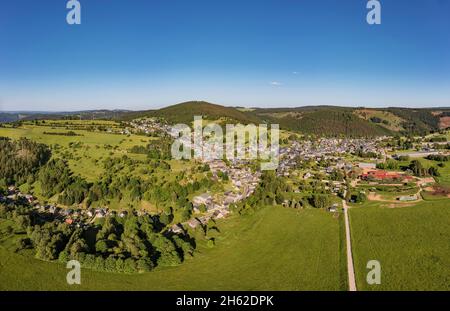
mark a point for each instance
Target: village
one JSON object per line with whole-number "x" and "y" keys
{"x": 357, "y": 158}
{"x": 299, "y": 160}
{"x": 217, "y": 206}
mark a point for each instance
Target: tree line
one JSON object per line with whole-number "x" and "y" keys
{"x": 130, "y": 244}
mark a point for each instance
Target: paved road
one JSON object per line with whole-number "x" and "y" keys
{"x": 350, "y": 268}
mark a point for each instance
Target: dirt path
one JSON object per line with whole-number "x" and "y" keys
{"x": 372, "y": 196}
{"x": 350, "y": 268}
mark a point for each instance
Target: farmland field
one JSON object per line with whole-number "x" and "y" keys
{"x": 273, "y": 249}
{"x": 411, "y": 243}
{"x": 85, "y": 149}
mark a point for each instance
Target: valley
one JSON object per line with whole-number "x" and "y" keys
{"x": 108, "y": 193}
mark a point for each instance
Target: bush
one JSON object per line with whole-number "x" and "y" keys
{"x": 144, "y": 265}
{"x": 320, "y": 201}
{"x": 129, "y": 265}
{"x": 99, "y": 263}
{"x": 23, "y": 243}
{"x": 110, "y": 264}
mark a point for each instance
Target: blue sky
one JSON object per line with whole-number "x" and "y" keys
{"x": 145, "y": 54}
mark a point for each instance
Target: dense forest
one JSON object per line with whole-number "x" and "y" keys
{"x": 20, "y": 160}
{"x": 185, "y": 112}
{"x": 333, "y": 123}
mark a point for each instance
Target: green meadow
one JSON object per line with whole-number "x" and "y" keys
{"x": 85, "y": 151}
{"x": 273, "y": 249}
{"x": 411, "y": 243}
{"x": 444, "y": 178}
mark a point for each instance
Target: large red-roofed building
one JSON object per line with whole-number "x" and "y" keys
{"x": 385, "y": 175}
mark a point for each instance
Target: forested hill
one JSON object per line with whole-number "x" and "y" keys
{"x": 327, "y": 121}
{"x": 185, "y": 112}
{"x": 330, "y": 120}
{"x": 316, "y": 120}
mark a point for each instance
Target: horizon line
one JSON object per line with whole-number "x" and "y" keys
{"x": 199, "y": 101}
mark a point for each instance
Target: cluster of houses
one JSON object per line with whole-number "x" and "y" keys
{"x": 147, "y": 126}
{"x": 243, "y": 180}
{"x": 325, "y": 149}
{"x": 79, "y": 217}
{"x": 333, "y": 146}
{"x": 14, "y": 194}
{"x": 244, "y": 183}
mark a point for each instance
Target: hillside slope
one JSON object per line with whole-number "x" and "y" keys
{"x": 315, "y": 120}
{"x": 327, "y": 121}
{"x": 335, "y": 121}
{"x": 185, "y": 112}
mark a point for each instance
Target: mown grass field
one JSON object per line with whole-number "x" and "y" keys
{"x": 411, "y": 243}
{"x": 273, "y": 249}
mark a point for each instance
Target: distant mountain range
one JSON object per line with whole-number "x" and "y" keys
{"x": 319, "y": 120}
{"x": 11, "y": 116}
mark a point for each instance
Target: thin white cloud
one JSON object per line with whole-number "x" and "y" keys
{"x": 295, "y": 72}
{"x": 276, "y": 83}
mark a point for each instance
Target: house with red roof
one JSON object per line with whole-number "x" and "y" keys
{"x": 385, "y": 175}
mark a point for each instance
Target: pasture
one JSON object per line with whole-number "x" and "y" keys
{"x": 274, "y": 249}
{"x": 410, "y": 242}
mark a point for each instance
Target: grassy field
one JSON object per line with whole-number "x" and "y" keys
{"x": 391, "y": 193}
{"x": 92, "y": 146}
{"x": 394, "y": 122}
{"x": 411, "y": 243}
{"x": 273, "y": 249}
{"x": 86, "y": 152}
{"x": 444, "y": 179}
